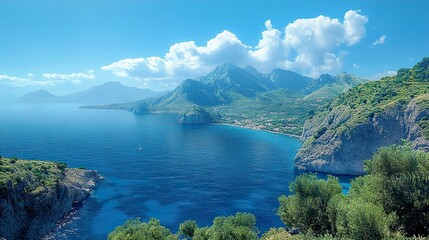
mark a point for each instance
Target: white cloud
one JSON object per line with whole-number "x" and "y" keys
{"x": 380, "y": 40}
{"x": 355, "y": 65}
{"x": 21, "y": 82}
{"x": 49, "y": 79}
{"x": 378, "y": 76}
{"x": 72, "y": 76}
{"x": 354, "y": 26}
{"x": 310, "y": 46}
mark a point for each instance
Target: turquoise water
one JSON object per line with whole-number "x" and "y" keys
{"x": 182, "y": 172}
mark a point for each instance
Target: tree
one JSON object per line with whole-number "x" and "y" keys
{"x": 188, "y": 228}
{"x": 357, "y": 219}
{"x": 136, "y": 230}
{"x": 242, "y": 226}
{"x": 306, "y": 208}
{"x": 398, "y": 180}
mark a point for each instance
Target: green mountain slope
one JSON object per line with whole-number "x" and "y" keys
{"x": 329, "y": 87}
{"x": 278, "y": 101}
{"x": 340, "y": 136}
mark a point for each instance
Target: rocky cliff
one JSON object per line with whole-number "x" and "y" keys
{"x": 31, "y": 205}
{"x": 344, "y": 151}
{"x": 340, "y": 137}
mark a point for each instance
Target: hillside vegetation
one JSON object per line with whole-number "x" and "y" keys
{"x": 347, "y": 131}
{"x": 38, "y": 174}
{"x": 368, "y": 100}
{"x": 35, "y": 195}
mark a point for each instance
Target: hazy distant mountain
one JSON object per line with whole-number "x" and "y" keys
{"x": 107, "y": 93}
{"x": 39, "y": 96}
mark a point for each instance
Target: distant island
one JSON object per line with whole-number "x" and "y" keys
{"x": 35, "y": 195}
{"x": 107, "y": 93}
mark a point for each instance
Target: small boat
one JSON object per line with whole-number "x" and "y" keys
{"x": 139, "y": 148}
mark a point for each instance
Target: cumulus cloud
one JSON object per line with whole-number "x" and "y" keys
{"x": 380, "y": 40}
{"x": 72, "y": 76}
{"x": 310, "y": 46}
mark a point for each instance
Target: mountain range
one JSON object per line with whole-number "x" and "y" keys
{"x": 280, "y": 100}
{"x": 107, "y": 93}
{"x": 228, "y": 84}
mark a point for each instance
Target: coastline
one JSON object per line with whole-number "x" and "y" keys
{"x": 216, "y": 123}
{"x": 256, "y": 129}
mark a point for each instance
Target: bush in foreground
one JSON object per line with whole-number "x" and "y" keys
{"x": 307, "y": 209}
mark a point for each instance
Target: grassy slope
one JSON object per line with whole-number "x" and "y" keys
{"x": 371, "y": 99}
{"x": 38, "y": 175}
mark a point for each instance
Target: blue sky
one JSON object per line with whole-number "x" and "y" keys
{"x": 65, "y": 46}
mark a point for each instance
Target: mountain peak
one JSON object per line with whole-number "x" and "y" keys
{"x": 250, "y": 69}
{"x": 227, "y": 67}
{"x": 113, "y": 84}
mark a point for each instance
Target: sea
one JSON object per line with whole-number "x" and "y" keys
{"x": 153, "y": 166}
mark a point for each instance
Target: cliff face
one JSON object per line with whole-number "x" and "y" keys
{"x": 32, "y": 215}
{"x": 344, "y": 150}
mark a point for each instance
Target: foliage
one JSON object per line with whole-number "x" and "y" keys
{"x": 37, "y": 175}
{"x": 307, "y": 208}
{"x": 276, "y": 234}
{"x": 136, "y": 230}
{"x": 398, "y": 180}
{"x": 242, "y": 226}
{"x": 357, "y": 219}
{"x": 188, "y": 228}
{"x": 369, "y": 100}
{"x": 320, "y": 132}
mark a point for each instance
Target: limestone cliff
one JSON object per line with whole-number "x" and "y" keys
{"x": 343, "y": 152}
{"x": 340, "y": 137}
{"x": 30, "y": 206}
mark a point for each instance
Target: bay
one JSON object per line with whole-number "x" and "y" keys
{"x": 181, "y": 171}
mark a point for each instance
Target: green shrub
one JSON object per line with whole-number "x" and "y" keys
{"x": 276, "y": 234}
{"x": 62, "y": 166}
{"x": 306, "y": 209}
{"x": 188, "y": 228}
{"x": 136, "y": 230}
{"x": 398, "y": 181}
{"x": 357, "y": 219}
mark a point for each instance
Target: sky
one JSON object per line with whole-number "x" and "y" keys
{"x": 67, "y": 46}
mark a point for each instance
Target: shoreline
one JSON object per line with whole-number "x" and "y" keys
{"x": 223, "y": 124}
{"x": 263, "y": 130}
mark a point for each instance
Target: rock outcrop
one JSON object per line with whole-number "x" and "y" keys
{"x": 32, "y": 215}
{"x": 348, "y": 131}
{"x": 344, "y": 151}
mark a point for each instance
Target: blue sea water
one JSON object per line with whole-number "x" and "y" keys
{"x": 182, "y": 172}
